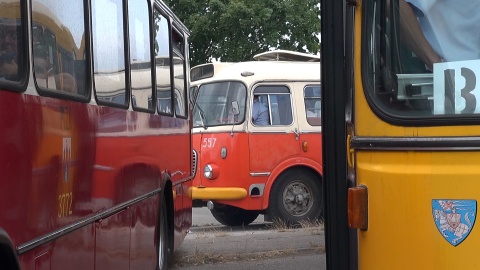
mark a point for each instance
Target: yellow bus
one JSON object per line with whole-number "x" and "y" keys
{"x": 401, "y": 133}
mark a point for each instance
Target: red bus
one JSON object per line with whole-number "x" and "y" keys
{"x": 96, "y": 156}
{"x": 249, "y": 167}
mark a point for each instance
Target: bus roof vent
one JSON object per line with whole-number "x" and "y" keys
{"x": 247, "y": 73}
{"x": 285, "y": 55}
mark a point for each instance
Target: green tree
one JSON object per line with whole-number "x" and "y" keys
{"x": 236, "y": 30}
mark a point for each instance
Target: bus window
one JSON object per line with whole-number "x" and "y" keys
{"x": 140, "y": 61}
{"x": 214, "y": 102}
{"x": 108, "y": 51}
{"x": 12, "y": 66}
{"x": 278, "y": 101}
{"x": 59, "y": 46}
{"x": 162, "y": 64}
{"x": 403, "y": 82}
{"x": 179, "y": 73}
{"x": 313, "y": 105}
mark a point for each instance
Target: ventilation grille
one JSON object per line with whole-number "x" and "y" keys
{"x": 194, "y": 162}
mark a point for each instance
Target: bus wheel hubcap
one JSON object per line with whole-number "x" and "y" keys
{"x": 298, "y": 198}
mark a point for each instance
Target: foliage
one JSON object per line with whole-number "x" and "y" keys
{"x": 236, "y": 30}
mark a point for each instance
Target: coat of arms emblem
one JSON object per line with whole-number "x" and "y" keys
{"x": 454, "y": 218}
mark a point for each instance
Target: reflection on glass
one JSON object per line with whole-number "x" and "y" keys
{"x": 277, "y": 99}
{"x": 140, "y": 62}
{"x": 422, "y": 58}
{"x": 10, "y": 42}
{"x": 179, "y": 74}
{"x": 179, "y": 83}
{"x": 59, "y": 45}
{"x": 313, "y": 105}
{"x": 162, "y": 64}
{"x": 214, "y": 104}
{"x": 108, "y": 50}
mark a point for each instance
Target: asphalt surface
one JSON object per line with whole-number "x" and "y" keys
{"x": 261, "y": 245}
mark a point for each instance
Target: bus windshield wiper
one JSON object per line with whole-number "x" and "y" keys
{"x": 202, "y": 116}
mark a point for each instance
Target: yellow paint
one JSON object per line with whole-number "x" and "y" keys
{"x": 218, "y": 193}
{"x": 401, "y": 186}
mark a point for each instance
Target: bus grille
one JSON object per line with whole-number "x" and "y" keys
{"x": 194, "y": 162}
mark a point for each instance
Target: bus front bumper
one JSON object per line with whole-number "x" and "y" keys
{"x": 218, "y": 193}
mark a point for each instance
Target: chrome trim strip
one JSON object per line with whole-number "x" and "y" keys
{"x": 23, "y": 248}
{"x": 259, "y": 174}
{"x": 103, "y": 168}
{"x": 416, "y": 143}
{"x": 270, "y": 131}
{"x": 310, "y": 131}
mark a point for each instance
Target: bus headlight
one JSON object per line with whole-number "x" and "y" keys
{"x": 211, "y": 171}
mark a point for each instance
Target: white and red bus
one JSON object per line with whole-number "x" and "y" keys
{"x": 247, "y": 169}
{"x": 96, "y": 156}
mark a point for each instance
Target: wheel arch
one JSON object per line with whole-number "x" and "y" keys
{"x": 288, "y": 166}
{"x": 8, "y": 256}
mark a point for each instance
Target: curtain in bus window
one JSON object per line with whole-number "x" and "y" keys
{"x": 140, "y": 61}
{"x": 162, "y": 64}
{"x": 59, "y": 46}
{"x": 12, "y": 62}
{"x": 313, "y": 105}
{"x": 108, "y": 51}
{"x": 281, "y": 107}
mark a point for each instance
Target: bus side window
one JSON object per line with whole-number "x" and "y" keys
{"x": 140, "y": 52}
{"x": 279, "y": 103}
{"x": 313, "y": 105}
{"x": 109, "y": 52}
{"x": 10, "y": 43}
{"x": 284, "y": 102}
{"x": 59, "y": 47}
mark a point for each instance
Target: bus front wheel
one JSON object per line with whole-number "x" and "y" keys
{"x": 296, "y": 196}
{"x": 233, "y": 216}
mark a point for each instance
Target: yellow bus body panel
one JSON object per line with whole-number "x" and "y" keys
{"x": 402, "y": 233}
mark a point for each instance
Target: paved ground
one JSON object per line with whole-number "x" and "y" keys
{"x": 261, "y": 245}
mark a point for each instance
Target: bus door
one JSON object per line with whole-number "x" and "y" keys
{"x": 413, "y": 149}
{"x": 278, "y": 139}
{"x": 308, "y": 111}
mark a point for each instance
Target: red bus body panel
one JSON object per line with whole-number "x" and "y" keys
{"x": 253, "y": 153}
{"x": 62, "y": 162}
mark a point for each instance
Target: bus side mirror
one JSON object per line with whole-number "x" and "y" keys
{"x": 235, "y": 109}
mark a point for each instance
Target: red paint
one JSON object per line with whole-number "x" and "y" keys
{"x": 63, "y": 161}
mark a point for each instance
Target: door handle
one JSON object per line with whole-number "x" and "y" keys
{"x": 297, "y": 133}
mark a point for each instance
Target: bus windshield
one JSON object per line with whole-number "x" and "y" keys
{"x": 214, "y": 104}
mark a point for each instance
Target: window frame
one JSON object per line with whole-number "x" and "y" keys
{"x": 61, "y": 94}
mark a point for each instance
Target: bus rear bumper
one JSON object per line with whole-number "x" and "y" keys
{"x": 218, "y": 193}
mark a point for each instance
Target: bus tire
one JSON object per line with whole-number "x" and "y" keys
{"x": 162, "y": 252}
{"x": 233, "y": 216}
{"x": 296, "y": 196}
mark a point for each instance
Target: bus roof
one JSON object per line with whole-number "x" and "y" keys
{"x": 284, "y": 55}
{"x": 253, "y": 71}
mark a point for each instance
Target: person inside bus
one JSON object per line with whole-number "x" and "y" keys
{"x": 259, "y": 112}
{"x": 8, "y": 53}
{"x": 438, "y": 31}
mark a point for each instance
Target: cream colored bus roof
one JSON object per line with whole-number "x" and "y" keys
{"x": 284, "y": 55}
{"x": 264, "y": 71}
